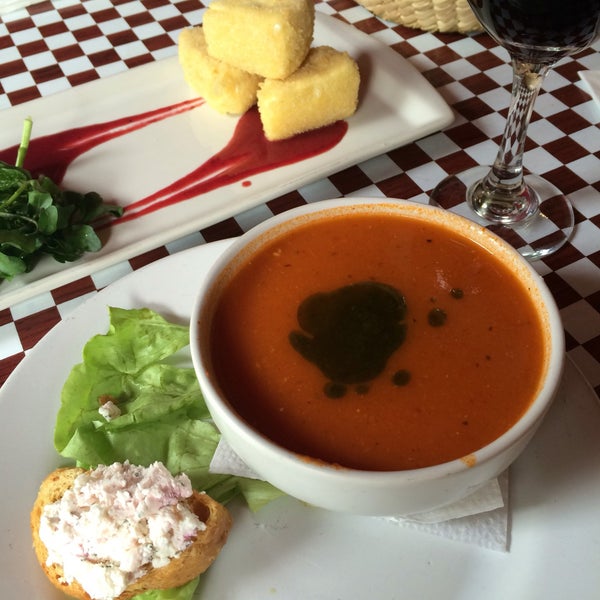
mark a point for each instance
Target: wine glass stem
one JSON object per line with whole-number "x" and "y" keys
{"x": 502, "y": 196}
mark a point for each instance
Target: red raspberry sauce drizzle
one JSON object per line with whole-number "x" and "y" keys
{"x": 247, "y": 153}
{"x": 52, "y": 154}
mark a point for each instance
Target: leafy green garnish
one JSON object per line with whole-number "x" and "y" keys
{"x": 138, "y": 364}
{"x": 38, "y": 218}
{"x": 141, "y": 365}
{"x": 185, "y": 592}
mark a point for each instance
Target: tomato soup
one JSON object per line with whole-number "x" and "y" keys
{"x": 377, "y": 342}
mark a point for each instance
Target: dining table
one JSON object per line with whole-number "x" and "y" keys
{"x": 49, "y": 47}
{"x": 53, "y": 49}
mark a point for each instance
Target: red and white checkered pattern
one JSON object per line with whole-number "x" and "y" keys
{"x": 51, "y": 46}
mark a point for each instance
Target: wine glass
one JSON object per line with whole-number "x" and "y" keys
{"x": 524, "y": 209}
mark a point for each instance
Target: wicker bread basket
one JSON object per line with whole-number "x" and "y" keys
{"x": 430, "y": 15}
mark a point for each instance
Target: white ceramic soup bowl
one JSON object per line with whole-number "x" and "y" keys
{"x": 404, "y": 492}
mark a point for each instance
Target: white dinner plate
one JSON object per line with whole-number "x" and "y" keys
{"x": 290, "y": 551}
{"x": 397, "y": 105}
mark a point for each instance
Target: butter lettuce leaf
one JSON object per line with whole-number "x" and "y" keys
{"x": 185, "y": 592}
{"x": 142, "y": 364}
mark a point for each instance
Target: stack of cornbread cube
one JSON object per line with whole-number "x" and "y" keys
{"x": 249, "y": 52}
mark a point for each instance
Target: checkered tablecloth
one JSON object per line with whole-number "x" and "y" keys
{"x": 53, "y": 45}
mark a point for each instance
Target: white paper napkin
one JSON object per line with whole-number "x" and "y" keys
{"x": 592, "y": 79}
{"x": 226, "y": 461}
{"x": 481, "y": 519}
{"x": 7, "y": 6}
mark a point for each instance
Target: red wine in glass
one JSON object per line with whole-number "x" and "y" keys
{"x": 526, "y": 210}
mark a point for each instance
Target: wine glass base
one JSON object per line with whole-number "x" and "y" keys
{"x": 538, "y": 236}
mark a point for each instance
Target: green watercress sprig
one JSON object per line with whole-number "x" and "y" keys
{"x": 39, "y": 218}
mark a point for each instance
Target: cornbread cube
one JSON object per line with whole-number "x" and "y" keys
{"x": 322, "y": 91}
{"x": 225, "y": 88}
{"x": 267, "y": 37}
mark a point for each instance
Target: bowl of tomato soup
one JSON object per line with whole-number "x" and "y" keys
{"x": 375, "y": 357}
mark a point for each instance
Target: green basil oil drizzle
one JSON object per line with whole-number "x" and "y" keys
{"x": 350, "y": 334}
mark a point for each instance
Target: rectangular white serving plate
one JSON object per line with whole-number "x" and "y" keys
{"x": 397, "y": 105}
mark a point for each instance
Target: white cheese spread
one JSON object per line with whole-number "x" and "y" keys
{"x": 109, "y": 410}
{"x": 115, "y": 523}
